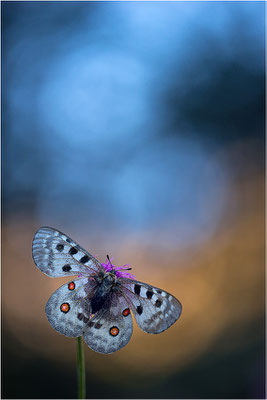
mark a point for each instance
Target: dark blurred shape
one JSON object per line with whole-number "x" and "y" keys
{"x": 227, "y": 106}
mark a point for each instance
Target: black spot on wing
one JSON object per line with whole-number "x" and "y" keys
{"x": 137, "y": 288}
{"x": 66, "y": 268}
{"x": 139, "y": 309}
{"x": 72, "y": 251}
{"x": 80, "y": 316}
{"x": 84, "y": 259}
{"x": 149, "y": 294}
{"x": 158, "y": 303}
{"x": 60, "y": 247}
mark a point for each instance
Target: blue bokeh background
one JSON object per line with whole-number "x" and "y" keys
{"x": 102, "y": 106}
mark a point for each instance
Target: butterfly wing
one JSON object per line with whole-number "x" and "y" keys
{"x": 111, "y": 328}
{"x": 68, "y": 309}
{"x": 55, "y": 254}
{"x": 154, "y": 309}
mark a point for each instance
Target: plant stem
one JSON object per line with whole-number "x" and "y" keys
{"x": 80, "y": 369}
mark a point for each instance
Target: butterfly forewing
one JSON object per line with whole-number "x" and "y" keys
{"x": 154, "y": 309}
{"x": 55, "y": 254}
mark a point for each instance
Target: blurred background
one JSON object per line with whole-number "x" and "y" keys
{"x": 137, "y": 128}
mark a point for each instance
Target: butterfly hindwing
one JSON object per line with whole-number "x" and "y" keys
{"x": 154, "y": 309}
{"x": 55, "y": 254}
{"x": 110, "y": 329}
{"x": 68, "y": 309}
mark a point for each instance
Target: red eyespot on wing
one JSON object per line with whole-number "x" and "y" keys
{"x": 71, "y": 286}
{"x": 65, "y": 307}
{"x": 126, "y": 312}
{"x": 114, "y": 331}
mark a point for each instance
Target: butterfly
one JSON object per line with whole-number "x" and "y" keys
{"x": 99, "y": 304}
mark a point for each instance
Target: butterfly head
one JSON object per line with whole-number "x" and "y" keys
{"x": 111, "y": 273}
{"x": 109, "y": 278}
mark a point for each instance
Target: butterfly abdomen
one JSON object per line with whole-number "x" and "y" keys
{"x": 101, "y": 295}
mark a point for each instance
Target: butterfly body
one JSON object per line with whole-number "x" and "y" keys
{"x": 99, "y": 304}
{"x": 103, "y": 291}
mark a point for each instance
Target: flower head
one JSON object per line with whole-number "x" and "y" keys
{"x": 120, "y": 271}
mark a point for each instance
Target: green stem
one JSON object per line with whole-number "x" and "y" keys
{"x": 80, "y": 369}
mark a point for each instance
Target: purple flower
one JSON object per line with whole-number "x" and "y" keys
{"x": 120, "y": 271}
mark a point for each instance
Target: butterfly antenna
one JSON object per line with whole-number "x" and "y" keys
{"x": 121, "y": 268}
{"x": 109, "y": 260}
{"x": 112, "y": 268}
{"x": 125, "y": 269}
